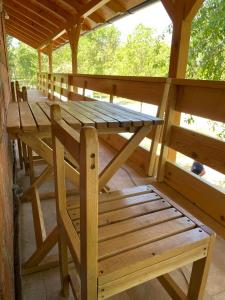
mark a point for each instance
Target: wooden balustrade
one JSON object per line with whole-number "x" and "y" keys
{"x": 204, "y": 99}
{"x": 149, "y": 90}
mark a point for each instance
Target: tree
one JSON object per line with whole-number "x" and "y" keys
{"x": 97, "y": 50}
{"x": 143, "y": 54}
{"x": 207, "y": 44}
{"x": 22, "y": 61}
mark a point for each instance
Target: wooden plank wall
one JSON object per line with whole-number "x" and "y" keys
{"x": 6, "y": 203}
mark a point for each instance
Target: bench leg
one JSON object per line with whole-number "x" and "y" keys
{"x": 199, "y": 274}
{"x": 64, "y": 265}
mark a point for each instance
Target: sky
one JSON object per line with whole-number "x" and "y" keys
{"x": 154, "y": 16}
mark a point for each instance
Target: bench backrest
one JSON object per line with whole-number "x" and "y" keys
{"x": 83, "y": 147}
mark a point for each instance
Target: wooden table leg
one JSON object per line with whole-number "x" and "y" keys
{"x": 123, "y": 155}
{"x": 199, "y": 274}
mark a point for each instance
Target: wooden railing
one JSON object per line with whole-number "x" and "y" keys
{"x": 196, "y": 97}
{"x": 142, "y": 89}
{"x": 204, "y": 99}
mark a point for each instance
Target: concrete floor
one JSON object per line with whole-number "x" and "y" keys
{"x": 46, "y": 285}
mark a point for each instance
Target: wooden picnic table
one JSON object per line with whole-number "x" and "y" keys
{"x": 30, "y": 122}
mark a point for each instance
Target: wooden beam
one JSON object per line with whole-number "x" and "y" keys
{"x": 74, "y": 35}
{"x": 49, "y": 50}
{"x": 33, "y": 17}
{"x": 91, "y": 6}
{"x": 24, "y": 33}
{"x": 39, "y": 62}
{"x": 169, "y": 7}
{"x": 54, "y": 9}
{"x": 22, "y": 38}
{"x": 25, "y": 30}
{"x": 116, "y": 7}
{"x": 27, "y": 40}
{"x": 32, "y": 7}
{"x": 182, "y": 21}
{"x": 191, "y": 8}
{"x": 22, "y": 17}
{"x": 180, "y": 45}
{"x": 22, "y": 26}
{"x": 86, "y": 10}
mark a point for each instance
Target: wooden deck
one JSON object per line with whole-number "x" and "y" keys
{"x": 46, "y": 285}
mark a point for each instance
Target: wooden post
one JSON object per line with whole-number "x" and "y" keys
{"x": 50, "y": 58}
{"x": 74, "y": 35}
{"x": 39, "y": 69}
{"x": 181, "y": 14}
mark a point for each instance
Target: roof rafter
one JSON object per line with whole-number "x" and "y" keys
{"x": 55, "y": 21}
{"x": 86, "y": 10}
{"x": 116, "y": 6}
{"x": 31, "y": 42}
{"x": 26, "y": 29}
{"x": 34, "y": 18}
{"x": 26, "y": 22}
{"x": 28, "y": 35}
{"x": 54, "y": 9}
{"x": 169, "y": 7}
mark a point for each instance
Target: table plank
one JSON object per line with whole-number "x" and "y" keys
{"x": 123, "y": 121}
{"x": 68, "y": 118}
{"x": 27, "y": 120}
{"x": 110, "y": 121}
{"x": 45, "y": 106}
{"x": 40, "y": 117}
{"x": 83, "y": 119}
{"x": 146, "y": 118}
{"x": 137, "y": 120}
{"x": 13, "y": 118}
{"x": 100, "y": 123}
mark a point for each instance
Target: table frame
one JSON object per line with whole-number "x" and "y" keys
{"x": 39, "y": 259}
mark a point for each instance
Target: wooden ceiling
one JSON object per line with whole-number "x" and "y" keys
{"x": 38, "y": 22}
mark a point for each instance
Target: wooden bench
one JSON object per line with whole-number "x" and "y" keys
{"x": 124, "y": 238}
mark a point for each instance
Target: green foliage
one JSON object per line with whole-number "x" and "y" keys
{"x": 207, "y": 45}
{"x": 62, "y": 60}
{"x": 143, "y": 54}
{"x": 97, "y": 51}
{"x": 22, "y": 61}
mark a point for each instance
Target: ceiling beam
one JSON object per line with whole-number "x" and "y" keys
{"x": 87, "y": 9}
{"x": 20, "y": 23}
{"x": 54, "y": 9}
{"x": 91, "y": 6}
{"x": 22, "y": 38}
{"x": 26, "y": 29}
{"x": 169, "y": 7}
{"x": 116, "y": 7}
{"x": 32, "y": 17}
{"x": 67, "y": 6}
{"x": 39, "y": 11}
{"x": 27, "y": 23}
{"x": 24, "y": 34}
{"x": 191, "y": 8}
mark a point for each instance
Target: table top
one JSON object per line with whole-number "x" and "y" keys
{"x": 35, "y": 116}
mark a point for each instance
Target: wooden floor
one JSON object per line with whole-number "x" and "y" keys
{"x": 46, "y": 285}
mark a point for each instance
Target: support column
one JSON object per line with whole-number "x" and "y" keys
{"x": 50, "y": 58}
{"x": 181, "y": 14}
{"x": 39, "y": 70}
{"x": 74, "y": 35}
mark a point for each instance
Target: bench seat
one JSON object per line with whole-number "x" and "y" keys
{"x": 142, "y": 234}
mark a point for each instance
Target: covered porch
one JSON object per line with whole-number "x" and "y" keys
{"x": 155, "y": 162}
